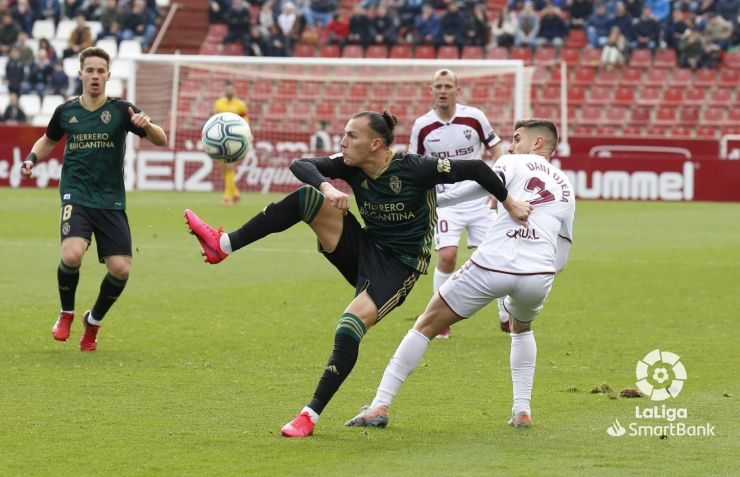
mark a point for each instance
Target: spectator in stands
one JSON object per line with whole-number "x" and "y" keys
{"x": 634, "y": 7}
{"x": 278, "y": 43}
{"x": 49, "y": 10}
{"x": 9, "y": 30}
{"x": 718, "y": 31}
{"x": 23, "y": 16}
{"x": 336, "y": 31}
{"x": 691, "y": 50}
{"x": 615, "y": 50}
{"x": 360, "y": 28}
{"x": 138, "y": 22}
{"x": 504, "y": 28}
{"x": 51, "y": 53}
{"x": 13, "y": 113}
{"x": 477, "y": 31}
{"x": 661, "y": 10}
{"x": 237, "y": 19}
{"x": 71, "y": 7}
{"x": 255, "y": 44}
{"x": 217, "y": 10}
{"x": 676, "y": 30}
{"x": 647, "y": 30}
{"x": 266, "y": 17}
{"x": 452, "y": 26}
{"x": 111, "y": 19}
{"x": 579, "y": 11}
{"x": 15, "y": 71}
{"x": 426, "y": 27}
{"x": 727, "y": 9}
{"x": 553, "y": 28}
{"x": 59, "y": 81}
{"x": 597, "y": 26}
{"x": 80, "y": 38}
{"x": 320, "y": 141}
{"x": 624, "y": 22}
{"x": 287, "y": 22}
{"x": 529, "y": 26}
{"x": 38, "y": 75}
{"x": 93, "y": 9}
{"x": 320, "y": 12}
{"x": 408, "y": 11}
{"x": 385, "y": 27}
{"x": 22, "y": 45}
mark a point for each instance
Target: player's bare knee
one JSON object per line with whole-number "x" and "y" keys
{"x": 447, "y": 259}
{"x": 72, "y": 257}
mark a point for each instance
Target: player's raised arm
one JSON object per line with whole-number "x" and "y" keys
{"x": 154, "y": 133}
{"x": 317, "y": 171}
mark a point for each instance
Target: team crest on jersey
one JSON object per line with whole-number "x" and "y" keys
{"x": 443, "y": 165}
{"x": 65, "y": 228}
{"x": 468, "y": 133}
{"x": 363, "y": 184}
{"x": 105, "y": 117}
{"x": 395, "y": 184}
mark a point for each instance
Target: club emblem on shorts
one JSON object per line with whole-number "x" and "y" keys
{"x": 443, "y": 165}
{"x": 468, "y": 133}
{"x": 105, "y": 117}
{"x": 395, "y": 184}
{"x": 65, "y": 228}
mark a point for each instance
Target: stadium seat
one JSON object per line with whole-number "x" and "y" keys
{"x": 633, "y": 131}
{"x": 400, "y": 52}
{"x": 541, "y": 76}
{"x": 521, "y": 53}
{"x": 731, "y": 59}
{"x": 550, "y": 95}
{"x": 120, "y": 68}
{"x": 497, "y": 53}
{"x": 376, "y": 51}
{"x": 326, "y": 110}
{"x": 59, "y": 46}
{"x": 304, "y": 50}
{"x": 673, "y": 96}
{"x": 591, "y": 57}
{"x": 590, "y": 115}
{"x": 681, "y": 77}
{"x": 576, "y": 39}
{"x": 302, "y": 110}
{"x": 729, "y": 78}
{"x": 713, "y": 116}
{"x": 640, "y": 58}
{"x": 95, "y": 28}
{"x": 472, "y": 53}
{"x": 656, "y": 77}
{"x": 287, "y": 90}
{"x": 665, "y": 58}
{"x": 217, "y": 31}
{"x": 657, "y": 131}
{"x": 720, "y": 96}
{"x": 381, "y": 90}
{"x": 51, "y": 101}
{"x": 352, "y": 51}
{"x": 43, "y": 29}
{"x": 278, "y": 109}
{"x": 576, "y": 95}
{"x": 606, "y": 130}
{"x": 681, "y": 132}
{"x": 615, "y": 116}
{"x": 584, "y": 76}
{"x": 447, "y": 52}
{"x": 571, "y": 56}
{"x": 608, "y": 77}
{"x": 30, "y": 104}
{"x": 40, "y": 120}
{"x": 640, "y": 116}
{"x": 71, "y": 66}
{"x": 624, "y": 96}
{"x": 584, "y": 130}
{"x": 648, "y": 96}
{"x": 544, "y": 111}
{"x": 132, "y": 49}
{"x": 544, "y": 56}
{"x": 705, "y": 77}
{"x": 110, "y": 45}
{"x": 359, "y": 91}
{"x": 707, "y": 132}
{"x": 329, "y": 51}
{"x": 599, "y": 95}
{"x": 425, "y": 52}
{"x": 665, "y": 116}
{"x": 631, "y": 77}
{"x": 480, "y": 93}
{"x": 733, "y": 116}
{"x": 695, "y": 96}
{"x": 64, "y": 29}
{"x": 261, "y": 89}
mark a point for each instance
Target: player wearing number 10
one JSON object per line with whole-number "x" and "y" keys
{"x": 513, "y": 261}
{"x": 92, "y": 189}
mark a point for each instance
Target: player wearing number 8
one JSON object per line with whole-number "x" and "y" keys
{"x": 515, "y": 261}
{"x": 92, "y": 188}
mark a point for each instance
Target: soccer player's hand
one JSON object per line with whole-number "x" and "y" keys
{"x": 519, "y": 211}
{"x": 492, "y": 202}
{"x": 26, "y": 169}
{"x": 140, "y": 120}
{"x": 337, "y": 198}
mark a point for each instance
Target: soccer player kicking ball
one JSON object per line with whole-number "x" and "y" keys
{"x": 395, "y": 194}
{"x": 519, "y": 262}
{"x": 92, "y": 189}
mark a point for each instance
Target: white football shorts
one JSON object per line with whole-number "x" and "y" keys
{"x": 452, "y": 222}
{"x": 473, "y": 287}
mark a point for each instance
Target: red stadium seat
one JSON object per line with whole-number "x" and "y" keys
{"x": 497, "y": 53}
{"x": 733, "y": 116}
{"x": 640, "y": 116}
{"x": 707, "y": 132}
{"x": 447, "y": 52}
{"x": 657, "y": 131}
{"x": 352, "y": 51}
{"x": 713, "y": 116}
{"x": 336, "y": 90}
{"x": 681, "y": 132}
{"x": 640, "y": 58}
{"x": 472, "y": 53}
{"x": 591, "y": 57}
{"x": 521, "y": 53}
{"x": 729, "y": 78}
{"x": 571, "y": 56}
{"x": 624, "y": 96}
{"x": 287, "y": 89}
{"x": 665, "y": 58}
{"x": 550, "y": 95}
{"x": 599, "y": 95}
{"x": 648, "y": 96}
{"x": 705, "y": 77}
{"x": 381, "y": 90}
{"x": 278, "y": 109}
{"x": 615, "y": 116}
{"x": 584, "y": 130}
{"x": 329, "y": 51}
{"x": 304, "y": 50}
{"x": 359, "y": 91}
{"x": 576, "y": 39}
{"x": 731, "y": 59}
{"x": 606, "y": 130}
{"x": 665, "y": 116}
{"x": 656, "y": 77}
{"x": 209, "y": 49}
{"x": 689, "y": 116}
{"x": 632, "y": 131}
{"x": 400, "y": 52}
{"x": 720, "y": 96}
{"x": 584, "y": 76}
{"x": 261, "y": 89}
{"x": 326, "y": 110}
{"x": 377, "y": 51}
{"x": 608, "y": 77}
{"x": 480, "y": 93}
{"x": 302, "y": 110}
{"x": 425, "y": 52}
{"x": 348, "y": 108}
{"x": 545, "y": 112}
{"x": 673, "y": 96}
{"x": 681, "y": 77}
{"x": 590, "y": 115}
{"x": 695, "y": 96}
{"x": 576, "y": 96}
{"x": 541, "y": 76}
{"x": 544, "y": 56}
{"x": 631, "y": 77}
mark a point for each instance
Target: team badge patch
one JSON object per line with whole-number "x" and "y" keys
{"x": 468, "y": 133}
{"x": 105, "y": 117}
{"x": 443, "y": 165}
{"x": 363, "y": 184}
{"x": 65, "y": 228}
{"x": 395, "y": 184}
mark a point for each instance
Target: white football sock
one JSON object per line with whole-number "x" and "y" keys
{"x": 312, "y": 414}
{"x": 523, "y": 358}
{"x": 225, "y": 243}
{"x": 503, "y": 315}
{"x": 404, "y": 362}
{"x": 91, "y": 320}
{"x": 440, "y": 278}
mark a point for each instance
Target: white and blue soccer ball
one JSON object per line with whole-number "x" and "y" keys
{"x": 226, "y": 137}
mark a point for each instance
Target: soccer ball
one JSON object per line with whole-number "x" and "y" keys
{"x": 226, "y": 137}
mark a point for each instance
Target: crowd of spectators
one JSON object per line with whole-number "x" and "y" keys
{"x": 698, "y": 30}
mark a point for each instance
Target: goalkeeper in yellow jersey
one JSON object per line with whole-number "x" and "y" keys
{"x": 228, "y": 103}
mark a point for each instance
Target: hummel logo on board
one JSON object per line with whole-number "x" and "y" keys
{"x": 73, "y": 120}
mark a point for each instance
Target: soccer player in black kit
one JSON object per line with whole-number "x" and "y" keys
{"x": 395, "y": 194}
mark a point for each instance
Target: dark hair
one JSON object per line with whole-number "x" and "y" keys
{"x": 382, "y": 124}
{"x": 541, "y": 124}
{"x": 94, "y": 51}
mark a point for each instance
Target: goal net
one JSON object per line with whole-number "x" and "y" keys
{"x": 289, "y": 99}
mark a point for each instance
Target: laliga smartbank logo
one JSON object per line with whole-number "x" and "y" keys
{"x": 660, "y": 375}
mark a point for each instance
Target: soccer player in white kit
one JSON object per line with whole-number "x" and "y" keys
{"x": 519, "y": 262}
{"x": 456, "y": 132}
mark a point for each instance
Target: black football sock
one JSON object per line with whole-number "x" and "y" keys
{"x": 67, "y": 278}
{"x": 346, "y": 348}
{"x": 110, "y": 290}
{"x": 302, "y": 204}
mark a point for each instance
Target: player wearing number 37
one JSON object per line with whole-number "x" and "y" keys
{"x": 92, "y": 188}
{"x": 515, "y": 261}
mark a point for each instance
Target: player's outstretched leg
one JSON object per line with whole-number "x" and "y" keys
{"x": 370, "y": 417}
{"x": 208, "y": 237}
{"x": 89, "y": 341}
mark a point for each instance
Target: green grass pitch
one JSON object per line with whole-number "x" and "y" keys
{"x": 199, "y": 366}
